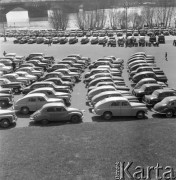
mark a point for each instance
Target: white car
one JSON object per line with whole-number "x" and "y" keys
{"x": 32, "y": 78}
{"x": 119, "y": 106}
{"x": 5, "y": 69}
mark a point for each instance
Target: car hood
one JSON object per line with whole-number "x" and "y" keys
{"x": 6, "y": 112}
{"x": 159, "y": 106}
{"x": 138, "y": 91}
{"x": 61, "y": 94}
{"x": 135, "y": 104}
{"x": 54, "y": 100}
{"x": 151, "y": 97}
{"x": 74, "y": 110}
{"x": 22, "y": 78}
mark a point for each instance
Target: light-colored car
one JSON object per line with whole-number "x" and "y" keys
{"x": 32, "y": 78}
{"x": 51, "y": 93}
{"x": 14, "y": 77}
{"x": 33, "y": 102}
{"x": 32, "y": 71}
{"x": 57, "y": 112}
{"x": 167, "y": 107}
{"x": 5, "y": 69}
{"x": 107, "y": 94}
{"x": 119, "y": 106}
{"x": 7, "y": 118}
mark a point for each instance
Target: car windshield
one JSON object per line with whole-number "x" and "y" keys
{"x": 155, "y": 93}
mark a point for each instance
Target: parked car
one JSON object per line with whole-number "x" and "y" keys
{"x": 14, "y": 77}
{"x": 142, "y": 41}
{"x": 63, "y": 40}
{"x": 166, "y": 107}
{"x": 112, "y": 42}
{"x": 51, "y": 93}
{"x": 33, "y": 102}
{"x": 32, "y": 71}
{"x": 5, "y": 69}
{"x": 32, "y": 78}
{"x": 119, "y": 106}
{"x": 32, "y": 55}
{"x": 161, "y": 39}
{"x": 46, "y": 84}
{"x": 146, "y": 89}
{"x": 103, "y": 95}
{"x": 157, "y": 96}
{"x": 85, "y": 40}
{"x": 73, "y": 40}
{"x": 94, "y": 40}
{"x": 57, "y": 112}
{"x": 6, "y": 99}
{"x": 7, "y": 118}
{"x": 45, "y": 66}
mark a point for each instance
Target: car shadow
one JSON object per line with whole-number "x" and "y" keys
{"x": 19, "y": 115}
{"x": 50, "y": 124}
{"x": 13, "y": 125}
{"x": 160, "y": 116}
{"x": 116, "y": 119}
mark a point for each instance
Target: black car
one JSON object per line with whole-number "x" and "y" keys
{"x": 73, "y": 40}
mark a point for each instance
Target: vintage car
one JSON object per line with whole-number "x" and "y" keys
{"x": 94, "y": 40}
{"x": 142, "y": 41}
{"x": 80, "y": 57}
{"x": 146, "y": 89}
{"x": 148, "y": 81}
{"x": 111, "y": 60}
{"x": 119, "y": 106}
{"x": 112, "y": 42}
{"x": 107, "y": 94}
{"x": 46, "y": 84}
{"x": 58, "y": 66}
{"x": 73, "y": 40}
{"x": 32, "y": 71}
{"x": 167, "y": 107}
{"x": 33, "y": 102}
{"x": 161, "y": 39}
{"x": 5, "y": 69}
{"x": 102, "y": 40}
{"x": 72, "y": 64}
{"x": 38, "y": 63}
{"x": 147, "y": 74}
{"x": 98, "y": 75}
{"x": 58, "y": 75}
{"x": 99, "y": 63}
{"x": 55, "y": 40}
{"x": 131, "y": 64}
{"x": 59, "y": 82}
{"x": 81, "y": 62}
{"x": 121, "y": 41}
{"x": 37, "y": 68}
{"x": 43, "y": 60}
{"x": 6, "y": 99}
{"x": 32, "y": 78}
{"x": 57, "y": 112}
{"x": 14, "y": 77}
{"x": 32, "y": 55}
{"x": 5, "y": 90}
{"x": 7, "y": 118}
{"x": 51, "y": 93}
{"x": 67, "y": 72}
{"x": 63, "y": 40}
{"x": 85, "y": 40}
{"x": 157, "y": 96}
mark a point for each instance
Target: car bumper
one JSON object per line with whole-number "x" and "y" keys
{"x": 157, "y": 112}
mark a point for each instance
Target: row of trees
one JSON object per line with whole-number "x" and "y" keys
{"x": 114, "y": 18}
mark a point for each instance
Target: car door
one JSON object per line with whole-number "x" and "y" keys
{"x": 115, "y": 108}
{"x": 40, "y": 102}
{"x": 51, "y": 111}
{"x": 125, "y": 109}
{"x": 61, "y": 114}
{"x": 32, "y": 103}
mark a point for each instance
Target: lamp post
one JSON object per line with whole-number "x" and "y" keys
{"x": 3, "y": 24}
{"x": 126, "y": 6}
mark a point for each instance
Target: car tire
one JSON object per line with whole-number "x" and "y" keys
{"x": 44, "y": 122}
{"x": 16, "y": 90}
{"x": 24, "y": 110}
{"x": 3, "y": 104}
{"x": 75, "y": 119}
{"x": 140, "y": 115}
{"x": 169, "y": 114}
{"x": 5, "y": 123}
{"x": 107, "y": 115}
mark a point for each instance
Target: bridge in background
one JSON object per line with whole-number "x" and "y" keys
{"x": 39, "y": 8}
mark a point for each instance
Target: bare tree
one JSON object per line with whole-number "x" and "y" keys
{"x": 136, "y": 20}
{"x": 115, "y": 18}
{"x": 58, "y": 19}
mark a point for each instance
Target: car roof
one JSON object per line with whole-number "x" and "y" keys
{"x": 43, "y": 88}
{"x": 149, "y": 85}
{"x": 165, "y": 90}
{"x": 144, "y": 72}
{"x": 101, "y": 87}
{"x": 34, "y": 95}
{"x": 53, "y": 104}
{"x": 109, "y": 99}
{"x": 43, "y": 82}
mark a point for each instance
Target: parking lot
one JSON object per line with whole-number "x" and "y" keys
{"x": 78, "y": 99}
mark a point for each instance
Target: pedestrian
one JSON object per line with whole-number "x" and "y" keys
{"x": 4, "y": 53}
{"x": 166, "y": 56}
{"x": 13, "y": 65}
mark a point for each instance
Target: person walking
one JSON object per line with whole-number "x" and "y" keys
{"x": 4, "y": 53}
{"x": 166, "y": 56}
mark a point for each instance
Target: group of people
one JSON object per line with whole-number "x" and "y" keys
{"x": 13, "y": 63}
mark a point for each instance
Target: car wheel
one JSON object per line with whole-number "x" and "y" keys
{"x": 44, "y": 122}
{"x": 3, "y": 104}
{"x": 107, "y": 115}
{"x": 4, "y": 123}
{"x": 16, "y": 90}
{"x": 25, "y": 110}
{"x": 75, "y": 119}
{"x": 169, "y": 114}
{"x": 140, "y": 115}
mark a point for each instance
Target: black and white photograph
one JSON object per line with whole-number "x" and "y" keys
{"x": 87, "y": 89}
